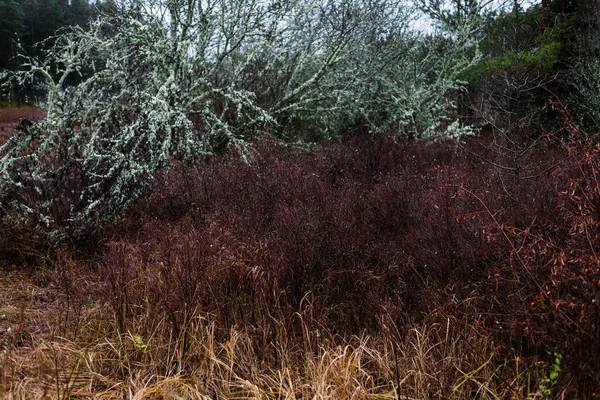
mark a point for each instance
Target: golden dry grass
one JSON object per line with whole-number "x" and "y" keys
{"x": 59, "y": 341}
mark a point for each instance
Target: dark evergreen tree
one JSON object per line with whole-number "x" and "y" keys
{"x": 79, "y": 13}
{"x": 104, "y": 7}
{"x": 11, "y": 28}
{"x": 32, "y": 33}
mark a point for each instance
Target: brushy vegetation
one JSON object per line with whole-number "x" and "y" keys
{"x": 9, "y": 118}
{"x": 171, "y": 230}
{"x": 177, "y": 81}
{"x": 363, "y": 269}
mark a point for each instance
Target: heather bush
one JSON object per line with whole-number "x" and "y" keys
{"x": 555, "y": 265}
{"x": 359, "y": 225}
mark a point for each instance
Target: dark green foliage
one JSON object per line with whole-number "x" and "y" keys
{"x": 12, "y": 25}
{"x": 32, "y": 21}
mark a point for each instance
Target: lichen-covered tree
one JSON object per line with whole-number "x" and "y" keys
{"x": 157, "y": 81}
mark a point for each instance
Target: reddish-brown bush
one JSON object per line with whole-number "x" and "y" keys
{"x": 333, "y": 218}
{"x": 551, "y": 273}
{"x": 368, "y": 231}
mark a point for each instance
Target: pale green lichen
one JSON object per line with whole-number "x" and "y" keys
{"x": 135, "y": 91}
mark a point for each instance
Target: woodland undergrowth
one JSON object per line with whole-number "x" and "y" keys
{"x": 368, "y": 268}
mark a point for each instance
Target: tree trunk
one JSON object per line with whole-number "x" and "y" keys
{"x": 173, "y": 26}
{"x": 544, "y": 15}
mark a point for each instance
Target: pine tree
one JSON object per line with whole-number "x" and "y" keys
{"x": 11, "y": 30}
{"x": 51, "y": 17}
{"x": 80, "y": 13}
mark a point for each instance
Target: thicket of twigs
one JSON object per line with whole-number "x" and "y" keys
{"x": 369, "y": 268}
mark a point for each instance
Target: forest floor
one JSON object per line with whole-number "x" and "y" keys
{"x": 18, "y": 292}
{"x": 52, "y": 346}
{"x": 10, "y": 117}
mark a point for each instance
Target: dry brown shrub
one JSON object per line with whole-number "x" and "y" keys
{"x": 10, "y": 117}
